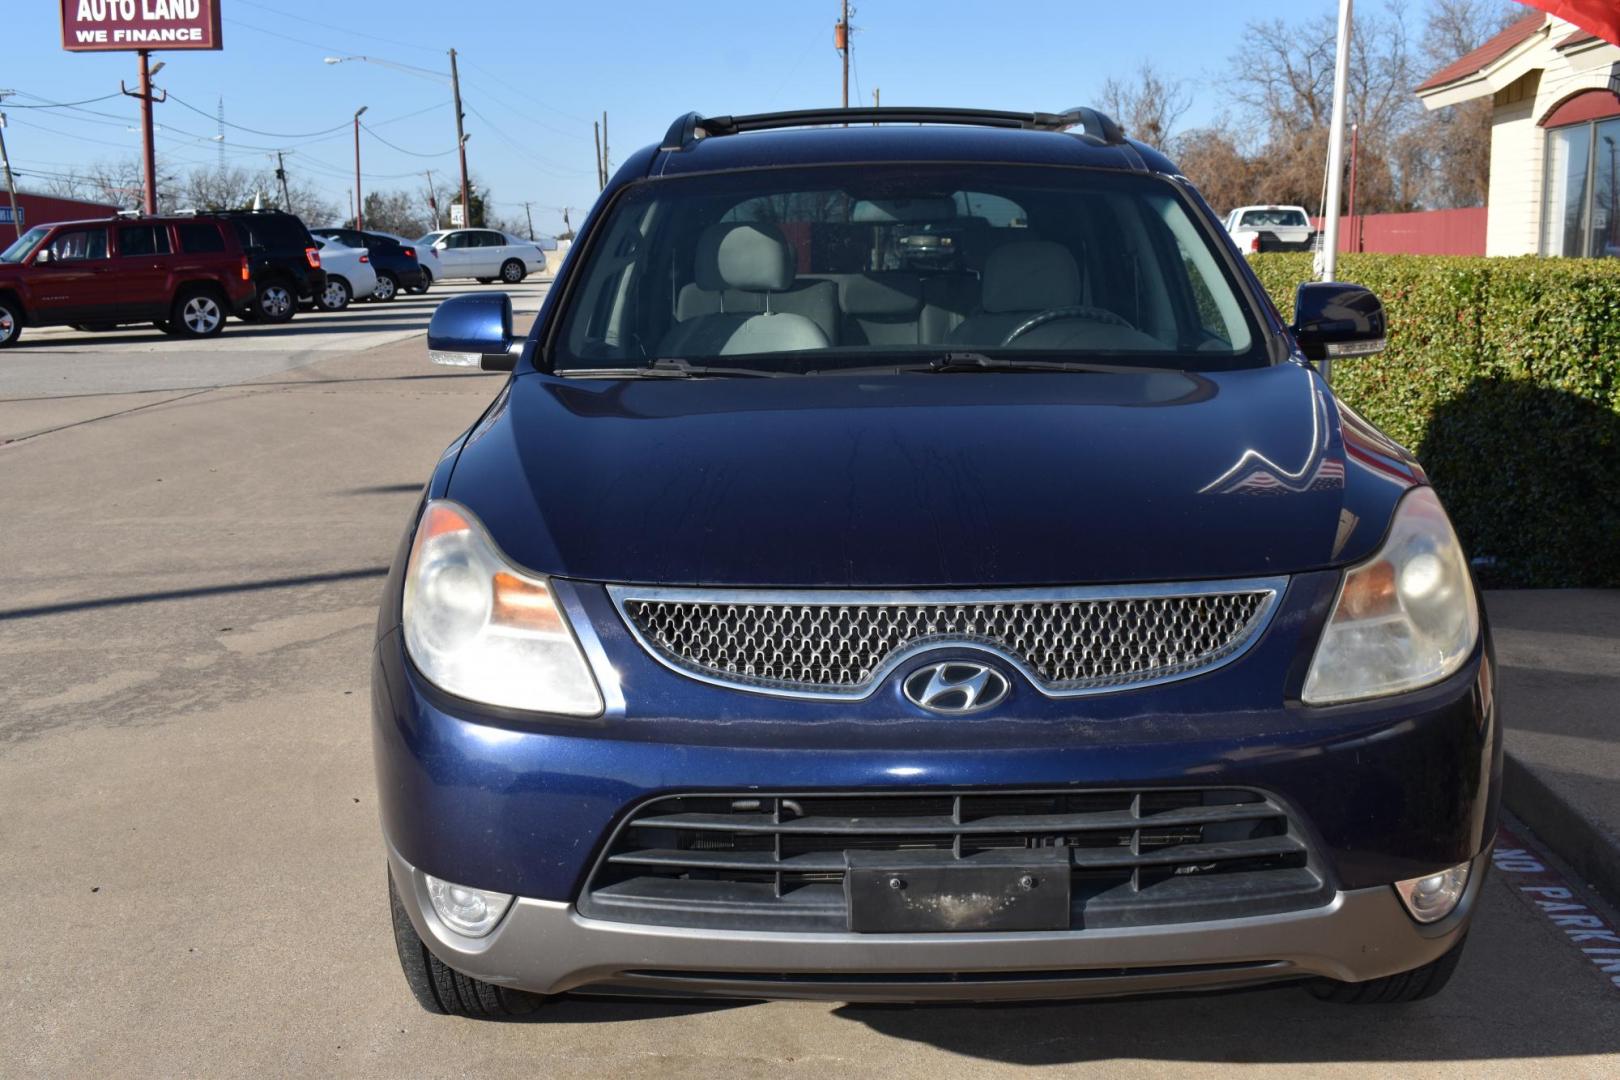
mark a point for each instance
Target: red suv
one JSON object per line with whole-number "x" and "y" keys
{"x": 184, "y": 275}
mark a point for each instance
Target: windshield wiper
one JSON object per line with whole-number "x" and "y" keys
{"x": 952, "y": 362}
{"x": 666, "y": 368}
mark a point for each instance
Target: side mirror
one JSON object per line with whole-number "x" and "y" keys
{"x": 43, "y": 257}
{"x": 438, "y": 245}
{"x": 473, "y": 331}
{"x": 1333, "y": 320}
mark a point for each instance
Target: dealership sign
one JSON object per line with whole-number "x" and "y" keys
{"x": 106, "y": 25}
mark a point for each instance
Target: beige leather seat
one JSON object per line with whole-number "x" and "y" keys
{"x": 1021, "y": 280}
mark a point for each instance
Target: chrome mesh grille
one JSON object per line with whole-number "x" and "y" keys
{"x": 1068, "y": 643}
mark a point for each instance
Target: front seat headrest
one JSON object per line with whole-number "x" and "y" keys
{"x": 1030, "y": 275}
{"x": 751, "y": 256}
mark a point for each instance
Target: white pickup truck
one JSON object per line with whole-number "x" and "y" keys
{"x": 1270, "y": 228}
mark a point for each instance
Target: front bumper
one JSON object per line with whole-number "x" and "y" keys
{"x": 548, "y": 947}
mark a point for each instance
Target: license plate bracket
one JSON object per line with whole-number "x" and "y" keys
{"x": 1028, "y": 891}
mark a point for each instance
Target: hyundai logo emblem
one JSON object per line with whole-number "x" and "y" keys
{"x": 955, "y": 687}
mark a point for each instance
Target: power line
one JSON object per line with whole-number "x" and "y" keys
{"x": 256, "y": 131}
{"x": 61, "y": 104}
{"x": 402, "y": 150}
{"x": 332, "y": 26}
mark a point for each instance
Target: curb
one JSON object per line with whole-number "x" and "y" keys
{"x": 1582, "y": 843}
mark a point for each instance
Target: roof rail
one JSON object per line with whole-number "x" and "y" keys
{"x": 690, "y": 127}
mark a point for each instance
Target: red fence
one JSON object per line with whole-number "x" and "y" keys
{"x": 1426, "y": 232}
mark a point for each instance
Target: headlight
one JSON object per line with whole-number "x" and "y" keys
{"x": 1405, "y": 618}
{"x": 481, "y": 629}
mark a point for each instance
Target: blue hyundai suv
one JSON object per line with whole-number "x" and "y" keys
{"x": 911, "y": 559}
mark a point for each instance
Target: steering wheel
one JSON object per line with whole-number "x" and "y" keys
{"x": 1078, "y": 311}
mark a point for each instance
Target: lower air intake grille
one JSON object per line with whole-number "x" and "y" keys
{"x": 1135, "y": 857}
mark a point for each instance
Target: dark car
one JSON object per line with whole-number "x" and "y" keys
{"x": 394, "y": 260}
{"x": 1030, "y": 624}
{"x": 182, "y": 274}
{"x": 284, "y": 259}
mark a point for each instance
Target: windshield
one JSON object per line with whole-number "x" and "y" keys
{"x": 819, "y": 269}
{"x": 24, "y": 245}
{"x": 1285, "y": 218}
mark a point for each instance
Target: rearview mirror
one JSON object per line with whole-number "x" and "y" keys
{"x": 473, "y": 331}
{"x": 1333, "y": 320}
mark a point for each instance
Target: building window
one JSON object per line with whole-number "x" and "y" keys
{"x": 1581, "y": 196}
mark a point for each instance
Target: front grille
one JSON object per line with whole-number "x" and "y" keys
{"x": 1135, "y": 857}
{"x": 1069, "y": 641}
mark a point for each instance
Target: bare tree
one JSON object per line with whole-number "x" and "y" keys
{"x": 1148, "y": 104}
{"x": 398, "y": 212}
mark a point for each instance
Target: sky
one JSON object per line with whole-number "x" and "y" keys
{"x": 535, "y": 74}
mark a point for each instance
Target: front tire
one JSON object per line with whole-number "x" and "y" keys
{"x": 276, "y": 302}
{"x": 387, "y": 288}
{"x": 427, "y": 283}
{"x": 513, "y": 271}
{"x": 336, "y": 295}
{"x": 439, "y": 988}
{"x": 1408, "y": 986}
{"x": 11, "y": 323}
{"x": 197, "y": 313}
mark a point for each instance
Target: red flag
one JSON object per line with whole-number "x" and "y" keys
{"x": 1600, "y": 17}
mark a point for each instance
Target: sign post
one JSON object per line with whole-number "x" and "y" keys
{"x": 141, "y": 26}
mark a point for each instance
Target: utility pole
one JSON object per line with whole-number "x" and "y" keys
{"x": 359, "y": 203}
{"x": 841, "y": 43}
{"x": 530, "y": 215}
{"x": 596, "y": 134}
{"x": 281, "y": 175}
{"x": 433, "y": 200}
{"x": 877, "y": 101}
{"x": 461, "y": 142}
{"x": 607, "y": 165}
{"x": 5, "y": 163}
{"x": 148, "y": 147}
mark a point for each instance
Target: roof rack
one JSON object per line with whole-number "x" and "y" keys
{"x": 691, "y": 127}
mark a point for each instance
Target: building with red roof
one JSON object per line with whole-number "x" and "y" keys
{"x": 1555, "y": 135}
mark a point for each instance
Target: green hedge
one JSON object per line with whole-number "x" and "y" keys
{"x": 1503, "y": 376}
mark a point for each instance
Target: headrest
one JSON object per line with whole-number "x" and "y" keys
{"x": 1030, "y": 275}
{"x": 743, "y": 255}
{"x": 885, "y": 294}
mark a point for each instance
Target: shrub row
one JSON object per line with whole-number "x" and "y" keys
{"x": 1503, "y": 376}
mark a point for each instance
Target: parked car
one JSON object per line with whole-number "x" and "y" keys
{"x": 349, "y": 273}
{"x": 790, "y": 625}
{"x": 393, "y": 258}
{"x": 182, "y": 274}
{"x": 1270, "y": 228}
{"x": 284, "y": 259}
{"x": 484, "y": 255}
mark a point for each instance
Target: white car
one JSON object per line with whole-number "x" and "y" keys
{"x": 349, "y": 273}
{"x": 484, "y": 255}
{"x": 1270, "y": 228}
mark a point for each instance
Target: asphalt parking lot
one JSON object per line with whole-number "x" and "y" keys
{"x": 195, "y": 536}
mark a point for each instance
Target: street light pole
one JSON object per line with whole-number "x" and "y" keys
{"x": 148, "y": 146}
{"x": 5, "y": 164}
{"x": 461, "y": 141}
{"x": 359, "y": 205}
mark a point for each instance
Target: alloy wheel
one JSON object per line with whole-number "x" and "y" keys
{"x": 201, "y": 315}
{"x": 8, "y": 324}
{"x": 275, "y": 301}
{"x": 385, "y": 288}
{"x": 336, "y": 297}
{"x": 512, "y": 272}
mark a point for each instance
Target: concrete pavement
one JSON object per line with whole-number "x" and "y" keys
{"x": 1559, "y": 656}
{"x": 193, "y": 875}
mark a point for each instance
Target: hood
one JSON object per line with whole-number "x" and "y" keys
{"x": 919, "y": 480}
